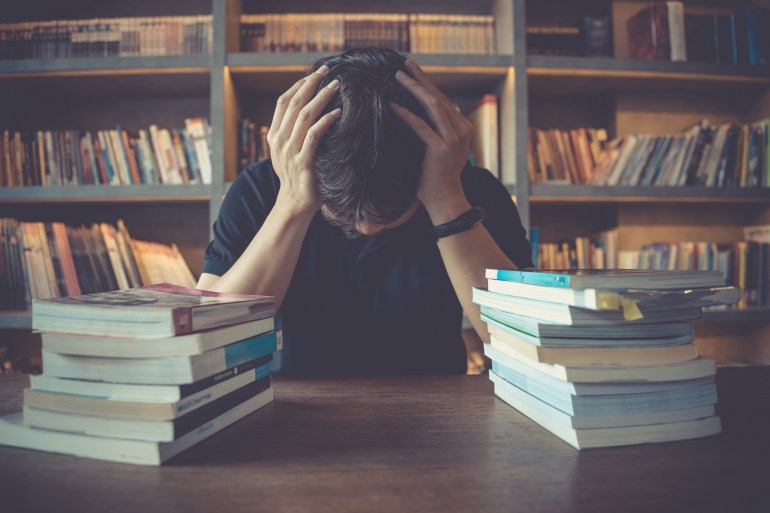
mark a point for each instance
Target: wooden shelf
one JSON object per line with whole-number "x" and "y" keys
{"x": 108, "y": 76}
{"x": 756, "y": 315}
{"x": 106, "y": 194}
{"x": 455, "y": 74}
{"x": 16, "y": 320}
{"x": 553, "y": 193}
{"x": 583, "y": 75}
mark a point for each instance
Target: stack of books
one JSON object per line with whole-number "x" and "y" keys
{"x": 140, "y": 375}
{"x": 604, "y": 358}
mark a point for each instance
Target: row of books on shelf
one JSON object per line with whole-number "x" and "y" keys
{"x": 333, "y": 32}
{"x": 707, "y": 155}
{"x": 745, "y": 263}
{"x": 592, "y": 38}
{"x": 252, "y": 143}
{"x": 106, "y": 37}
{"x": 140, "y": 375}
{"x": 604, "y": 358}
{"x": 107, "y": 157}
{"x": 49, "y": 260}
{"x": 666, "y": 31}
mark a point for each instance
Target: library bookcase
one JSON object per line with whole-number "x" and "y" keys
{"x": 616, "y": 93}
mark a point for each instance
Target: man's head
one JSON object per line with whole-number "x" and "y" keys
{"x": 368, "y": 164}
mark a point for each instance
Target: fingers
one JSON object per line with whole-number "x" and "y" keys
{"x": 316, "y": 132}
{"x": 418, "y": 125}
{"x": 300, "y": 99}
{"x": 310, "y": 112}
{"x": 432, "y": 101}
{"x": 280, "y": 109}
{"x": 422, "y": 77}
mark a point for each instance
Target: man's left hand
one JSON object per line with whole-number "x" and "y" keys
{"x": 446, "y": 146}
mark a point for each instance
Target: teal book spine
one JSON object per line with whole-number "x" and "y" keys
{"x": 534, "y": 278}
{"x": 250, "y": 349}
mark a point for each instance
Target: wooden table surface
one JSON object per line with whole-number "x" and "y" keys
{"x": 437, "y": 443}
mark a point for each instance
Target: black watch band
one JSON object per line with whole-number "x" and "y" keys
{"x": 466, "y": 221}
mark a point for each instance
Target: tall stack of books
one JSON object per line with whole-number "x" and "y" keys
{"x": 140, "y": 375}
{"x": 604, "y": 358}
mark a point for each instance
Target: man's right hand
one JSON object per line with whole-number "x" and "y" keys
{"x": 294, "y": 136}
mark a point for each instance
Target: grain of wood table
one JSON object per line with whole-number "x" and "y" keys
{"x": 435, "y": 443}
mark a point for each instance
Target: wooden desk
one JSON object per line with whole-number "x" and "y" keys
{"x": 410, "y": 444}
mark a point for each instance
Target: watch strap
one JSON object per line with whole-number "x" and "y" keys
{"x": 464, "y": 222}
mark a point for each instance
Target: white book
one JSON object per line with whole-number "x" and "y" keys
{"x": 690, "y": 369}
{"x": 676, "y": 31}
{"x": 142, "y": 429}
{"x": 13, "y": 432}
{"x": 173, "y": 370}
{"x": 140, "y": 408}
{"x": 126, "y": 347}
{"x": 589, "y": 388}
{"x": 587, "y": 438}
{"x": 683, "y": 395}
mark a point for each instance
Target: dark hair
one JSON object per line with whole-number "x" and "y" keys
{"x": 368, "y": 164}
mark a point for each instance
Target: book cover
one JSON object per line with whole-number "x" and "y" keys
{"x": 612, "y": 278}
{"x": 148, "y": 312}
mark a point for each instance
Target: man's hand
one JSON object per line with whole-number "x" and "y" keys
{"x": 294, "y": 136}
{"x": 446, "y": 147}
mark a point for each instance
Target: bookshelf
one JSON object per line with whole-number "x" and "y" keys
{"x": 540, "y": 91}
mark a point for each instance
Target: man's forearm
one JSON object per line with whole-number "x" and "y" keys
{"x": 268, "y": 263}
{"x": 466, "y": 256}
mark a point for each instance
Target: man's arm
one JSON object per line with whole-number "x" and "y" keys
{"x": 268, "y": 262}
{"x": 467, "y": 254}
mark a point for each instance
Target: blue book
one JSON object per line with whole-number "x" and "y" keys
{"x": 175, "y": 370}
{"x": 757, "y": 22}
{"x": 611, "y": 279}
{"x": 624, "y": 401}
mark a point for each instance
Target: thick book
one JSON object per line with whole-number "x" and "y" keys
{"x": 603, "y": 299}
{"x": 132, "y": 392}
{"x": 183, "y": 345}
{"x": 555, "y": 421}
{"x": 155, "y": 311}
{"x": 175, "y": 370}
{"x": 556, "y": 313}
{"x": 139, "y": 429}
{"x": 13, "y": 432}
{"x": 531, "y": 371}
{"x": 612, "y": 279}
{"x": 690, "y": 369}
{"x": 513, "y": 345}
{"x": 586, "y": 341}
{"x": 685, "y": 396}
{"x": 138, "y": 409}
{"x": 543, "y": 330}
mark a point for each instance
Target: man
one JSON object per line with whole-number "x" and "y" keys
{"x": 366, "y": 224}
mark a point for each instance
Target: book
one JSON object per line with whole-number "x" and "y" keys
{"x": 531, "y": 371}
{"x": 125, "y": 347}
{"x": 555, "y": 313}
{"x": 600, "y": 299}
{"x": 622, "y": 338}
{"x": 174, "y": 370}
{"x": 154, "y": 311}
{"x": 658, "y": 32}
{"x": 611, "y": 278}
{"x": 556, "y": 422}
{"x": 140, "y": 409}
{"x": 13, "y": 432}
{"x": 140, "y": 429}
{"x": 597, "y": 36}
{"x": 627, "y": 407}
{"x": 484, "y": 144}
{"x": 130, "y": 392}
{"x": 621, "y": 355}
{"x": 690, "y": 369}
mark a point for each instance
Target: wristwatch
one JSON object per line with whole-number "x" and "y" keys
{"x": 465, "y": 222}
